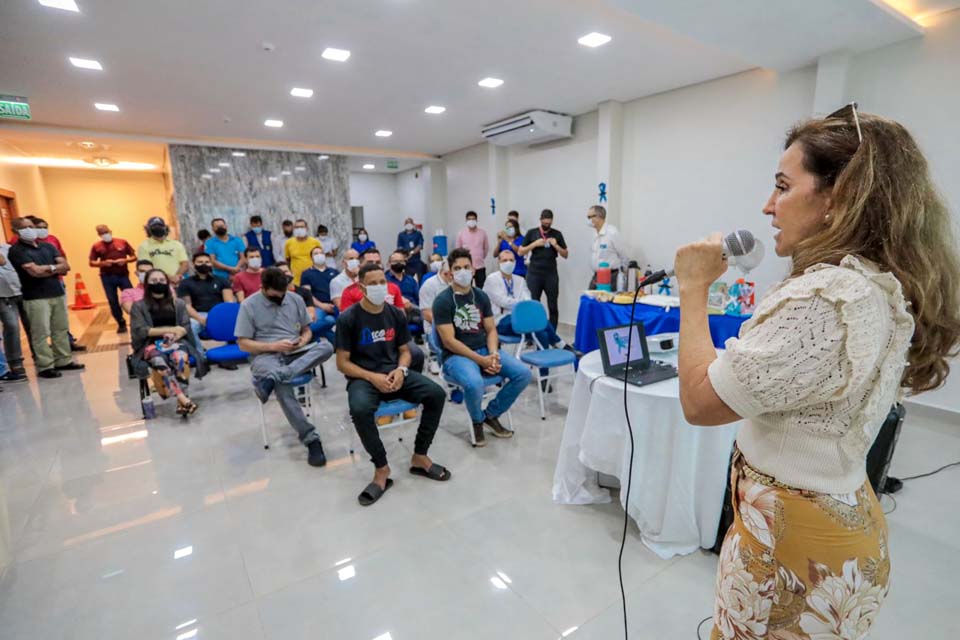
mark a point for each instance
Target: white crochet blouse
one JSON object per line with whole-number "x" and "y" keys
{"x": 815, "y": 372}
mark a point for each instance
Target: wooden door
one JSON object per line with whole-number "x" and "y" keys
{"x": 8, "y": 211}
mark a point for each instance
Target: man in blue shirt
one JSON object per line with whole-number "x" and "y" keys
{"x": 409, "y": 289}
{"x": 226, "y": 251}
{"x": 411, "y": 241}
{"x": 260, "y": 238}
{"x": 317, "y": 279}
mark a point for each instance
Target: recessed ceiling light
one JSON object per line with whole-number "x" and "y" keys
{"x": 66, "y": 5}
{"x": 86, "y": 63}
{"x": 285, "y": 173}
{"x": 106, "y": 106}
{"x": 324, "y": 157}
{"x": 338, "y": 55}
{"x": 369, "y": 166}
{"x": 273, "y": 123}
{"x": 301, "y": 93}
{"x": 435, "y": 109}
{"x": 207, "y": 176}
{"x": 239, "y": 154}
{"x": 594, "y": 39}
{"x": 273, "y": 178}
{"x": 299, "y": 168}
{"x": 213, "y": 170}
{"x": 183, "y": 552}
{"x": 491, "y": 83}
{"x": 383, "y": 133}
{"x": 224, "y": 164}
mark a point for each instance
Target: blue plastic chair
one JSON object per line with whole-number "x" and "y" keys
{"x": 389, "y": 408}
{"x": 491, "y": 384}
{"x": 221, "y": 323}
{"x": 301, "y": 389}
{"x": 529, "y": 317}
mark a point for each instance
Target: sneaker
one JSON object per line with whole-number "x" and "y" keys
{"x": 13, "y": 376}
{"x": 456, "y": 396}
{"x": 478, "y": 435}
{"x": 435, "y": 367}
{"x": 76, "y": 346}
{"x": 315, "y": 455}
{"x": 49, "y": 373}
{"x": 122, "y": 328}
{"x": 229, "y": 366}
{"x": 498, "y": 429}
{"x": 73, "y": 366}
{"x": 263, "y": 387}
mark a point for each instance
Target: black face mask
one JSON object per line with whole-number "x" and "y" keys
{"x": 399, "y": 267}
{"x": 277, "y": 300}
{"x": 158, "y": 231}
{"x": 204, "y": 269}
{"x": 546, "y": 225}
{"x": 288, "y": 232}
{"x": 158, "y": 288}
{"x": 220, "y": 231}
{"x": 289, "y": 280}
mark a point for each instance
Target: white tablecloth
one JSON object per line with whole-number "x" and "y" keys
{"x": 679, "y": 471}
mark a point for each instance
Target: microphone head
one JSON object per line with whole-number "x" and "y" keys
{"x": 738, "y": 243}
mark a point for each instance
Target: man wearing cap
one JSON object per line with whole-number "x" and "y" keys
{"x": 167, "y": 255}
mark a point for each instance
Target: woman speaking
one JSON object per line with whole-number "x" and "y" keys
{"x": 870, "y": 310}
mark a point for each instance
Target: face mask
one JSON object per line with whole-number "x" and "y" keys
{"x": 510, "y": 231}
{"x": 255, "y": 262}
{"x": 319, "y": 258}
{"x": 42, "y": 233}
{"x": 107, "y": 238}
{"x": 220, "y": 231}
{"x": 508, "y": 266}
{"x": 408, "y": 227}
{"x": 257, "y": 230}
{"x": 362, "y": 237}
{"x": 300, "y": 232}
{"x": 353, "y": 265}
{"x": 157, "y": 231}
{"x": 545, "y": 226}
{"x": 28, "y": 234}
{"x": 141, "y": 275}
{"x": 277, "y": 300}
{"x": 289, "y": 280}
{"x": 204, "y": 269}
{"x": 158, "y": 288}
{"x": 463, "y": 277}
{"x": 472, "y": 224}
{"x": 377, "y": 294}
{"x": 436, "y": 266}
{"x": 398, "y": 268}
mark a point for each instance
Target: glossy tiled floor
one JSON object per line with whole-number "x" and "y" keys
{"x": 110, "y": 528}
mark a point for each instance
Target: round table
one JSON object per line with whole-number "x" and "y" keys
{"x": 679, "y": 470}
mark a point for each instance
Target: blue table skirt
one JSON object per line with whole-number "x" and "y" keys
{"x": 595, "y": 315}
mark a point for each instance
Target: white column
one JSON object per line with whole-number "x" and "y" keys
{"x": 436, "y": 198}
{"x": 610, "y": 157}
{"x": 831, "y": 90}
{"x": 498, "y": 172}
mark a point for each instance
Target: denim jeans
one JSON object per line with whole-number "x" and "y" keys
{"x": 323, "y": 326}
{"x": 112, "y": 285}
{"x": 9, "y": 318}
{"x": 3, "y": 362}
{"x": 197, "y": 328}
{"x": 466, "y": 373}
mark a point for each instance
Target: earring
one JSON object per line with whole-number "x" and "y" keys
{"x": 826, "y": 218}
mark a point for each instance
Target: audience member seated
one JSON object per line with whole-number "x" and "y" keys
{"x": 428, "y": 293}
{"x": 436, "y": 263}
{"x": 363, "y": 243}
{"x": 351, "y": 265}
{"x": 373, "y": 352}
{"x": 226, "y": 251}
{"x": 203, "y": 291}
{"x": 464, "y": 320}
{"x": 274, "y": 327}
{"x": 505, "y": 289}
{"x": 317, "y": 280}
{"x": 160, "y": 336}
{"x": 318, "y": 324}
{"x": 247, "y": 282}
{"x": 135, "y": 293}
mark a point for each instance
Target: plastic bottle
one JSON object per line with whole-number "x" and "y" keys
{"x": 149, "y": 410}
{"x": 603, "y": 277}
{"x": 621, "y": 281}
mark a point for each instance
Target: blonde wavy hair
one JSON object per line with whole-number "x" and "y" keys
{"x": 885, "y": 208}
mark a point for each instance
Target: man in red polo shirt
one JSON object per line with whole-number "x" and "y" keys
{"x": 353, "y": 294}
{"x": 112, "y": 255}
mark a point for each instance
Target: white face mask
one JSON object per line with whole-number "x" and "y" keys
{"x": 319, "y": 258}
{"x": 255, "y": 262}
{"x": 142, "y": 275}
{"x": 377, "y": 294}
{"x": 353, "y": 265}
{"x": 508, "y": 266}
{"x": 362, "y": 237}
{"x": 42, "y": 233}
{"x": 436, "y": 266}
{"x": 463, "y": 277}
{"x": 29, "y": 234}
{"x": 107, "y": 237}
{"x": 300, "y": 232}
{"x": 510, "y": 231}
{"x": 408, "y": 227}
{"x": 472, "y": 224}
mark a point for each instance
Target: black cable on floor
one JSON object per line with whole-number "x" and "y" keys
{"x": 927, "y": 475}
{"x": 701, "y": 624}
{"x": 886, "y": 513}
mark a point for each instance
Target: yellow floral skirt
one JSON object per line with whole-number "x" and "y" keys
{"x": 799, "y": 565}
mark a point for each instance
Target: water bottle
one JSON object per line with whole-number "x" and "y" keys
{"x": 621, "y": 281}
{"x": 603, "y": 277}
{"x": 149, "y": 410}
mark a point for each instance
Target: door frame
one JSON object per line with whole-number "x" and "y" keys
{"x": 14, "y": 212}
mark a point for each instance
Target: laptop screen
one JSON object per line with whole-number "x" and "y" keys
{"x": 615, "y": 341}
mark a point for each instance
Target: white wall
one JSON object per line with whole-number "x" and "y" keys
{"x": 412, "y": 190}
{"x": 468, "y": 182}
{"x": 383, "y": 216}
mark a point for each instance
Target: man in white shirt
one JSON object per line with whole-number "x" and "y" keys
{"x": 330, "y": 246}
{"x": 607, "y": 244}
{"x": 429, "y": 291}
{"x": 351, "y": 266}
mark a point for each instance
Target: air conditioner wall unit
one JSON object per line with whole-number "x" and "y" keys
{"x": 531, "y": 127}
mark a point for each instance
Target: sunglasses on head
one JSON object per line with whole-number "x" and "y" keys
{"x": 848, "y": 112}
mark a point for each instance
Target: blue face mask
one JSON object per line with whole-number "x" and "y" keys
{"x": 257, "y": 230}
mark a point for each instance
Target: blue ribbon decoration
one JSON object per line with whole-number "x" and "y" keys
{"x": 493, "y": 206}
{"x": 603, "y": 192}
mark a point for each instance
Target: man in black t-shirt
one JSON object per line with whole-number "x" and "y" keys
{"x": 373, "y": 353}
{"x": 543, "y": 244}
{"x": 463, "y": 317}
{"x": 203, "y": 291}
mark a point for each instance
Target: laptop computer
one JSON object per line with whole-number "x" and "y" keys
{"x": 640, "y": 370}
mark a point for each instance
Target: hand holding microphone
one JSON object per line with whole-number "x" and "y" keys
{"x": 699, "y": 264}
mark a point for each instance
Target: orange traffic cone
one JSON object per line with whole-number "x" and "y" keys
{"x": 81, "y": 299}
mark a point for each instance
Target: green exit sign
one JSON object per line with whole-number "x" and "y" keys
{"x": 393, "y": 164}
{"x": 14, "y": 107}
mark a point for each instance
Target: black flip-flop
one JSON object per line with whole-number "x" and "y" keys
{"x": 436, "y": 472}
{"x": 372, "y": 493}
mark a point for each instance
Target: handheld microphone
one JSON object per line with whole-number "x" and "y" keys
{"x": 740, "y": 249}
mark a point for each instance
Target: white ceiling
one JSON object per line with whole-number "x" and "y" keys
{"x": 178, "y": 68}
